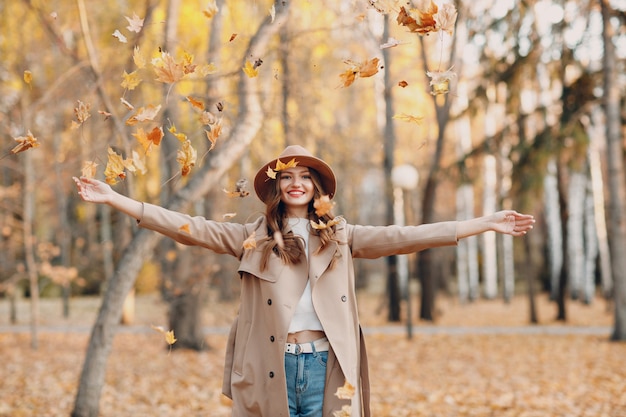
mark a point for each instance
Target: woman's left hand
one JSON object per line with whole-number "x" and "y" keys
{"x": 512, "y": 223}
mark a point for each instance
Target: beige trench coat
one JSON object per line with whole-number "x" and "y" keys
{"x": 254, "y": 373}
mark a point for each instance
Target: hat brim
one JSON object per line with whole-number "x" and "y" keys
{"x": 263, "y": 183}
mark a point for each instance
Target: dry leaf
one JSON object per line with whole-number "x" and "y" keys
{"x": 227, "y": 216}
{"x": 25, "y": 143}
{"x": 440, "y": 81}
{"x": 89, "y": 169}
{"x": 28, "y": 77}
{"x": 169, "y": 335}
{"x": 320, "y": 225}
{"x": 167, "y": 69}
{"x": 82, "y": 111}
{"x": 323, "y": 205}
{"x": 138, "y": 59}
{"x": 196, "y": 103}
{"x": 282, "y": 166}
{"x": 403, "y": 84}
{"x": 130, "y": 81}
{"x": 409, "y": 118}
{"x": 446, "y": 18}
{"x": 152, "y": 138}
{"x": 126, "y": 104}
{"x": 179, "y": 135}
{"x": 346, "y": 411}
{"x": 115, "y": 168}
{"x": 185, "y": 228}
{"x": 186, "y": 157}
{"x": 135, "y": 24}
{"x": 144, "y": 114}
{"x": 210, "y": 10}
{"x": 232, "y": 37}
{"x": 421, "y": 19}
{"x": 117, "y": 34}
{"x": 250, "y": 70}
{"x": 240, "y": 189}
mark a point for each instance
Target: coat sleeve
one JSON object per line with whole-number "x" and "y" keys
{"x": 220, "y": 237}
{"x": 376, "y": 241}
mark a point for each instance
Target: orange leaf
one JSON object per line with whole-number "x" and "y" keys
{"x": 186, "y": 157}
{"x": 143, "y": 114}
{"x": 152, "y": 138}
{"x": 167, "y": 69}
{"x": 250, "y": 242}
{"x": 25, "y": 143}
{"x": 185, "y": 228}
{"x": 195, "y": 103}
{"x": 323, "y": 205}
{"x": 89, "y": 169}
{"x": 210, "y": 10}
{"x": 346, "y": 392}
{"x": 115, "y": 168}
{"x": 82, "y": 111}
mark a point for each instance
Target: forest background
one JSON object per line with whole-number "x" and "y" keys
{"x": 530, "y": 117}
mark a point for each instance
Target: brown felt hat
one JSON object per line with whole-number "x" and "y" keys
{"x": 263, "y": 183}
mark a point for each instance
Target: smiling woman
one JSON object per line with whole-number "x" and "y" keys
{"x": 296, "y": 347}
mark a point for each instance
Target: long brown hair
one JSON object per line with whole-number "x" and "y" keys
{"x": 288, "y": 246}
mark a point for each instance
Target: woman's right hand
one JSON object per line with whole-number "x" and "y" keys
{"x": 93, "y": 190}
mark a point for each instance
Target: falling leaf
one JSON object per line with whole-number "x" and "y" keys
{"x": 403, "y": 84}
{"x": 409, "y": 118}
{"x": 421, "y": 19}
{"x": 271, "y": 173}
{"x": 130, "y": 81}
{"x": 117, "y": 34}
{"x": 169, "y": 335}
{"x": 186, "y": 157}
{"x": 213, "y": 134}
{"x": 89, "y": 169}
{"x": 167, "y": 69}
{"x": 126, "y": 104}
{"x": 106, "y": 114}
{"x": 440, "y": 81}
{"x": 227, "y": 216}
{"x": 250, "y": 70}
{"x": 232, "y": 37}
{"x": 185, "y": 228}
{"x": 220, "y": 106}
{"x": 280, "y": 166}
{"x": 138, "y": 162}
{"x": 144, "y": 114}
{"x": 446, "y": 18}
{"x": 135, "y": 23}
{"x": 115, "y": 168}
{"x": 363, "y": 70}
{"x": 28, "y": 77}
{"x": 150, "y": 139}
{"x": 82, "y": 111}
{"x": 179, "y": 135}
{"x": 250, "y": 242}
{"x": 323, "y": 205}
{"x": 391, "y": 43}
{"x": 25, "y": 143}
{"x": 257, "y": 63}
{"x": 210, "y": 10}
{"x": 138, "y": 59}
{"x": 208, "y": 118}
{"x": 196, "y": 103}
{"x": 206, "y": 69}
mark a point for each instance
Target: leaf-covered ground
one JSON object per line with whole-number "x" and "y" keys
{"x": 453, "y": 368}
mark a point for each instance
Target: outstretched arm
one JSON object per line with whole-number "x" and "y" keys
{"x": 506, "y": 221}
{"x": 96, "y": 191}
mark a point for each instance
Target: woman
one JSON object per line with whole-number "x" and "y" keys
{"x": 297, "y": 338}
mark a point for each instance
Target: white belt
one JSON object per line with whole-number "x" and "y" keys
{"x": 320, "y": 345}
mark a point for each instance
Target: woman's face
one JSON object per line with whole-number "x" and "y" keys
{"x": 296, "y": 190}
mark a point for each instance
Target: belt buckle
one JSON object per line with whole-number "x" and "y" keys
{"x": 298, "y": 349}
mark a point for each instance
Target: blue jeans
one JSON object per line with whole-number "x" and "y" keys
{"x": 306, "y": 377}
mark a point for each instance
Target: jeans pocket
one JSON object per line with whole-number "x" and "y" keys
{"x": 322, "y": 358}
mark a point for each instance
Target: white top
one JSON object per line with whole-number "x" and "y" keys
{"x": 305, "y": 317}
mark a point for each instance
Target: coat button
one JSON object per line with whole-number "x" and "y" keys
{"x": 272, "y": 338}
{"x": 269, "y": 301}
{"x": 344, "y": 298}
{"x": 271, "y": 374}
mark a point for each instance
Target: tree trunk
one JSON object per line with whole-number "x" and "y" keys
{"x": 143, "y": 243}
{"x": 577, "y": 191}
{"x": 554, "y": 230}
{"x": 489, "y": 248}
{"x": 564, "y": 272}
{"x": 616, "y": 181}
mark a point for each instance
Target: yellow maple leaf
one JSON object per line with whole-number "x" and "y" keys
{"x": 409, "y": 118}
{"x": 282, "y": 166}
{"x": 186, "y": 157}
{"x": 271, "y": 173}
{"x": 323, "y": 205}
{"x": 28, "y": 77}
{"x": 250, "y": 242}
{"x": 138, "y": 59}
{"x": 185, "y": 228}
{"x": 179, "y": 135}
{"x": 210, "y": 10}
{"x": 89, "y": 169}
{"x": 115, "y": 168}
{"x": 446, "y": 18}
{"x": 169, "y": 335}
{"x": 250, "y": 70}
{"x": 346, "y": 392}
{"x": 24, "y": 143}
{"x": 130, "y": 81}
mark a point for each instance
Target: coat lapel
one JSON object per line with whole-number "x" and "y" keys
{"x": 319, "y": 263}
